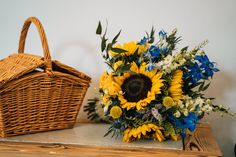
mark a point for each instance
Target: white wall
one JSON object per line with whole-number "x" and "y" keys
{"x": 70, "y": 26}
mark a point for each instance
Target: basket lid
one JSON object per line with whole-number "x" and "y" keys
{"x": 17, "y": 65}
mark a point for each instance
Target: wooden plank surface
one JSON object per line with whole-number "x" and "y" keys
{"x": 201, "y": 143}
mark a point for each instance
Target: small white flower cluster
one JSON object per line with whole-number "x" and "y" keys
{"x": 189, "y": 104}
{"x": 99, "y": 109}
{"x": 171, "y": 62}
{"x": 166, "y": 64}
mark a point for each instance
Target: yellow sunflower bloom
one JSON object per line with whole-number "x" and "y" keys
{"x": 131, "y": 134}
{"x": 103, "y": 79}
{"x": 176, "y": 86}
{"x": 139, "y": 89}
{"x": 131, "y": 48}
{"x": 108, "y": 84}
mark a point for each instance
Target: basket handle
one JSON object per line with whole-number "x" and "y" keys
{"x": 24, "y": 31}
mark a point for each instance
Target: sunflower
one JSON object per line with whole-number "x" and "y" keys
{"x": 108, "y": 85}
{"x": 145, "y": 130}
{"x": 140, "y": 88}
{"x": 176, "y": 86}
{"x": 131, "y": 48}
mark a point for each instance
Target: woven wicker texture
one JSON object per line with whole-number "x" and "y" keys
{"x": 36, "y": 93}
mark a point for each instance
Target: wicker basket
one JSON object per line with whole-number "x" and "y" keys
{"x": 36, "y": 93}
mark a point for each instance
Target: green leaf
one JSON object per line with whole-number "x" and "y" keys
{"x": 195, "y": 85}
{"x": 109, "y": 46}
{"x": 169, "y": 129}
{"x": 152, "y": 36}
{"x": 201, "y": 86}
{"x": 115, "y": 59}
{"x": 122, "y": 69}
{"x": 99, "y": 28}
{"x": 109, "y": 131}
{"x": 205, "y": 88}
{"x": 110, "y": 66}
{"x": 118, "y": 50}
{"x": 115, "y": 38}
{"x": 184, "y": 49}
{"x": 103, "y": 43}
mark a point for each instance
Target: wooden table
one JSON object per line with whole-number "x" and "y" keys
{"x": 70, "y": 143}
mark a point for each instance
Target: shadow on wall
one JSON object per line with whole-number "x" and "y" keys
{"x": 223, "y": 128}
{"x": 84, "y": 58}
{"x": 221, "y": 84}
{"x": 81, "y": 55}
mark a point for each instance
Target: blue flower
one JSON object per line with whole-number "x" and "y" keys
{"x": 143, "y": 41}
{"x": 162, "y": 34}
{"x": 202, "y": 69}
{"x": 188, "y": 122}
{"x": 150, "y": 67}
{"x": 194, "y": 73}
{"x": 154, "y": 52}
{"x": 207, "y": 66}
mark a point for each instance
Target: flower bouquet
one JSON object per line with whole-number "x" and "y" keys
{"x": 151, "y": 90}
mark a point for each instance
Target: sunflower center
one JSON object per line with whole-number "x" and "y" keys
{"x": 136, "y": 87}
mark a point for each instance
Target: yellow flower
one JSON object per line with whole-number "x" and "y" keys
{"x": 108, "y": 84}
{"x": 168, "y": 101}
{"x": 176, "y": 85}
{"x": 115, "y": 112}
{"x": 140, "y": 88}
{"x": 103, "y": 79}
{"x": 106, "y": 100}
{"x": 145, "y": 130}
{"x": 117, "y": 64}
{"x": 175, "y": 137}
{"x": 131, "y": 48}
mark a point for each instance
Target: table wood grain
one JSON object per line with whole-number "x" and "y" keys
{"x": 201, "y": 143}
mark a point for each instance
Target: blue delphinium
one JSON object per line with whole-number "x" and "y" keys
{"x": 207, "y": 66}
{"x": 162, "y": 34}
{"x": 152, "y": 55}
{"x": 154, "y": 52}
{"x": 143, "y": 41}
{"x": 150, "y": 66}
{"x": 194, "y": 73}
{"x": 164, "y": 47}
{"x": 201, "y": 69}
{"x": 188, "y": 122}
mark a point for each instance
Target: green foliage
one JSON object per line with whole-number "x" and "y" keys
{"x": 90, "y": 109}
{"x": 99, "y": 28}
{"x": 168, "y": 129}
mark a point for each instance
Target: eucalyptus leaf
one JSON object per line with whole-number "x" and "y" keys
{"x": 115, "y": 38}
{"x": 108, "y": 132}
{"x": 151, "y": 40}
{"x": 204, "y": 88}
{"x": 118, "y": 50}
{"x": 201, "y": 86}
{"x": 99, "y": 28}
{"x": 184, "y": 49}
{"x": 123, "y": 69}
{"x": 103, "y": 43}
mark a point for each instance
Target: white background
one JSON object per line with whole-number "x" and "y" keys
{"x": 70, "y": 26}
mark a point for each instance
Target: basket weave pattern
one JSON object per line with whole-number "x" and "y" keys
{"x": 36, "y": 93}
